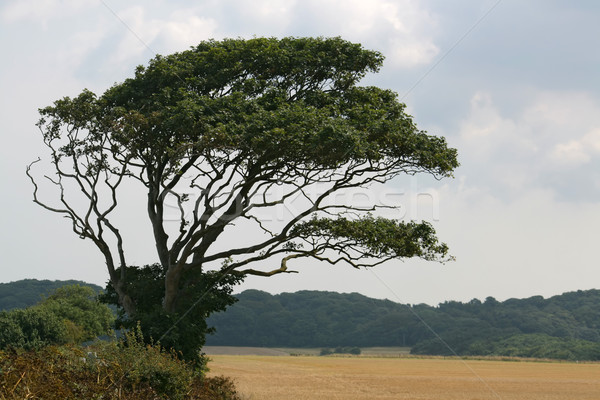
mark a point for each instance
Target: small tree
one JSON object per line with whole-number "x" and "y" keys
{"x": 229, "y": 132}
{"x": 31, "y": 328}
{"x": 70, "y": 314}
{"x": 86, "y": 317}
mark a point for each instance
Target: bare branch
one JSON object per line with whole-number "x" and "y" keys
{"x": 280, "y": 270}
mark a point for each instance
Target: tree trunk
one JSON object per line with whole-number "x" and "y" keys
{"x": 124, "y": 299}
{"x": 172, "y": 278}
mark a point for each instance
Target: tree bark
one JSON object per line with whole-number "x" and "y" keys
{"x": 172, "y": 278}
{"x": 124, "y": 299}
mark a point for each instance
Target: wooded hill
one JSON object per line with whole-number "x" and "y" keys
{"x": 564, "y": 327}
{"x": 28, "y": 292}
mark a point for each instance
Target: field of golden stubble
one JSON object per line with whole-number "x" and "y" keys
{"x": 354, "y": 378}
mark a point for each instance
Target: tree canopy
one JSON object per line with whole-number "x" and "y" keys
{"x": 70, "y": 314}
{"x": 230, "y": 132}
{"x": 85, "y": 317}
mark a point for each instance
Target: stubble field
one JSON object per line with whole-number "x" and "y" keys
{"x": 353, "y": 378}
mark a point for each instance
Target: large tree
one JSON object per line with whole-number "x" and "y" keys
{"x": 230, "y": 132}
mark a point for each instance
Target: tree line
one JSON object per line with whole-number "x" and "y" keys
{"x": 562, "y": 327}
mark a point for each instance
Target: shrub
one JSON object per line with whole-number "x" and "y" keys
{"x": 185, "y": 329}
{"x": 145, "y": 366}
{"x": 127, "y": 369}
{"x": 85, "y": 317}
{"x": 326, "y": 352}
{"x": 11, "y": 334}
{"x": 32, "y": 328}
{"x": 71, "y": 314}
{"x": 341, "y": 350}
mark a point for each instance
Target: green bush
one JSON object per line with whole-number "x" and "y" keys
{"x": 341, "y": 350}
{"x": 326, "y": 352}
{"x": 86, "y": 318}
{"x": 11, "y": 334}
{"x": 538, "y": 346}
{"x": 71, "y": 314}
{"x": 185, "y": 329}
{"x": 32, "y": 328}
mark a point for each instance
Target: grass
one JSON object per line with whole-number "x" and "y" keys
{"x": 378, "y": 378}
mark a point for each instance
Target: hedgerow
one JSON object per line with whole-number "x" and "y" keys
{"x": 125, "y": 369}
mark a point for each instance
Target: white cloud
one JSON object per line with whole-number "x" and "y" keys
{"x": 592, "y": 140}
{"x": 133, "y": 45}
{"x": 412, "y": 41}
{"x": 181, "y": 29}
{"x": 406, "y": 54}
{"x": 566, "y": 126}
{"x": 484, "y": 120}
{"x": 176, "y": 32}
{"x": 402, "y": 30}
{"x": 42, "y": 11}
{"x": 275, "y": 15}
{"x": 571, "y": 153}
{"x": 79, "y": 46}
{"x": 486, "y": 131}
{"x": 555, "y": 133}
{"x": 578, "y": 151}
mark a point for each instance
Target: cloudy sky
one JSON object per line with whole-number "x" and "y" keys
{"x": 514, "y": 86}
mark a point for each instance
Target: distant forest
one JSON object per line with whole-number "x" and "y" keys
{"x": 28, "y": 292}
{"x": 561, "y": 327}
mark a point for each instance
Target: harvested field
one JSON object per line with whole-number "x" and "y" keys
{"x": 354, "y": 378}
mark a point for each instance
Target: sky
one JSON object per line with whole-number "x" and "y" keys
{"x": 513, "y": 85}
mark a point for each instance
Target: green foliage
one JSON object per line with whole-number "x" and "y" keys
{"x": 114, "y": 370}
{"x": 377, "y": 237}
{"x": 185, "y": 330}
{"x": 32, "y": 328}
{"x": 566, "y": 326}
{"x": 78, "y": 306}
{"x": 538, "y": 345}
{"x": 235, "y": 95}
{"x": 70, "y": 314}
{"x": 310, "y": 319}
{"x": 11, "y": 334}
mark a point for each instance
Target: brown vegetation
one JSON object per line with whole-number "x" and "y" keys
{"x": 109, "y": 371}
